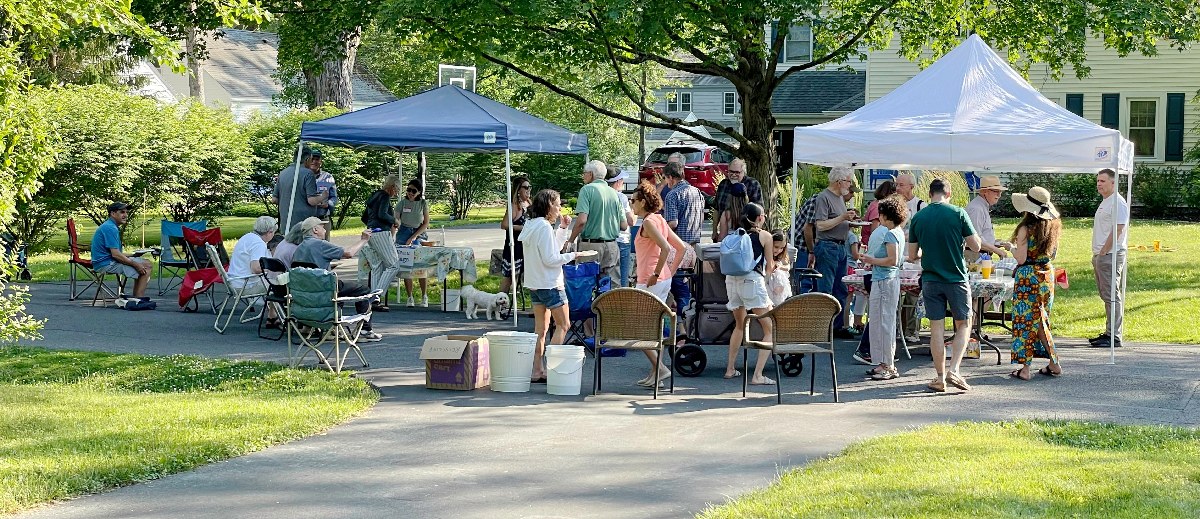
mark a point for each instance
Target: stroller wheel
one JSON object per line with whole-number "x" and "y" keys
{"x": 792, "y": 364}
{"x": 690, "y": 360}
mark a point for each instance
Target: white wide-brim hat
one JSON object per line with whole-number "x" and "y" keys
{"x": 1036, "y": 202}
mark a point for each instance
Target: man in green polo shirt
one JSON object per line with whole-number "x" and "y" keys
{"x": 598, "y": 219}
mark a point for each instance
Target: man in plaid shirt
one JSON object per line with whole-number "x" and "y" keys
{"x": 683, "y": 210}
{"x": 735, "y": 174}
{"x": 804, "y": 239}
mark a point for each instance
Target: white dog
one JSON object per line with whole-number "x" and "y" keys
{"x": 493, "y": 304}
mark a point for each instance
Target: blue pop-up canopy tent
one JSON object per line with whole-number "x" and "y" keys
{"x": 448, "y": 120}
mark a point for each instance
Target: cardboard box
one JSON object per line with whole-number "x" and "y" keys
{"x": 458, "y": 362}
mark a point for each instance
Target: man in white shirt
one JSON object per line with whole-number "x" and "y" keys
{"x": 979, "y": 211}
{"x": 1106, "y": 252}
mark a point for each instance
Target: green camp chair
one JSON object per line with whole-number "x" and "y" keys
{"x": 313, "y": 303}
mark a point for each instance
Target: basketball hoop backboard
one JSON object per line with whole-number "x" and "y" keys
{"x": 462, "y": 77}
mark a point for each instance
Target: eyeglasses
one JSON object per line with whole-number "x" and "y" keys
{"x": 411, "y": 190}
{"x": 735, "y": 172}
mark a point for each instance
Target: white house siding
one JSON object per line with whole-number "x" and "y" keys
{"x": 1134, "y": 77}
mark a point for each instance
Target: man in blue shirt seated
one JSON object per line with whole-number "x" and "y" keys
{"x": 316, "y": 251}
{"x": 106, "y": 251}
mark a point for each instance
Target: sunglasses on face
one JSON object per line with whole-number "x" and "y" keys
{"x": 525, "y": 186}
{"x": 411, "y": 190}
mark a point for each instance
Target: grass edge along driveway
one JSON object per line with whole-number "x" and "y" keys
{"x": 1010, "y": 469}
{"x": 74, "y": 423}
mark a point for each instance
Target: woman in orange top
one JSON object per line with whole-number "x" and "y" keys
{"x": 659, "y": 253}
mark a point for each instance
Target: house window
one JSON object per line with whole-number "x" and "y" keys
{"x": 1143, "y": 116}
{"x": 798, "y": 45}
{"x": 680, "y": 102}
{"x": 731, "y": 103}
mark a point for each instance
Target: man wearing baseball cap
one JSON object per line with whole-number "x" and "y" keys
{"x": 306, "y": 200}
{"x": 107, "y": 256}
{"x": 979, "y": 210}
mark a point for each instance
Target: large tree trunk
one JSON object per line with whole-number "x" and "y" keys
{"x": 195, "y": 75}
{"x": 757, "y": 126}
{"x": 332, "y": 84}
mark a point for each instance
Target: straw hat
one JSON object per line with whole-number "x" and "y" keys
{"x": 1036, "y": 202}
{"x": 991, "y": 182}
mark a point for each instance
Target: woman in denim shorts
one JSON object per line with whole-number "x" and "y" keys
{"x": 749, "y": 292}
{"x": 544, "y": 274}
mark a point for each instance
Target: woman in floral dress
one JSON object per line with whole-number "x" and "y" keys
{"x": 1036, "y": 242}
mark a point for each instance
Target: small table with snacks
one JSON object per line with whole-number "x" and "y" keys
{"x": 982, "y": 290}
{"x": 437, "y": 262}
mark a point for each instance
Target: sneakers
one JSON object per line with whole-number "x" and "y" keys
{"x": 913, "y": 340}
{"x": 1101, "y": 341}
{"x": 957, "y": 381}
{"x": 369, "y": 336}
{"x": 887, "y": 374}
{"x": 863, "y": 358}
{"x": 938, "y": 385}
{"x": 425, "y": 301}
{"x": 410, "y": 302}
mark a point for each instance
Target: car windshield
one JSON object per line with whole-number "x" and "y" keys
{"x": 690, "y": 155}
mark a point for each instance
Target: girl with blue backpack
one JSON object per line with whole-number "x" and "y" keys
{"x": 745, "y": 263}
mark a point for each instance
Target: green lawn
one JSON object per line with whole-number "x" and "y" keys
{"x": 1161, "y": 290}
{"x": 1022, "y": 469}
{"x": 73, "y": 423}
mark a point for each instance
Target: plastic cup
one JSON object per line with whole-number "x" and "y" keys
{"x": 985, "y": 272}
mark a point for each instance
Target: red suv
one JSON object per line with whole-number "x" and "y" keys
{"x": 703, "y": 165}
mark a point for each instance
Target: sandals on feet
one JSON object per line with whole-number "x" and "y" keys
{"x": 1016, "y": 373}
{"x": 735, "y": 374}
{"x": 765, "y": 381}
{"x": 1048, "y": 372}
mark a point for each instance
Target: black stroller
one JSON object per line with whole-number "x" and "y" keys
{"x": 708, "y": 322}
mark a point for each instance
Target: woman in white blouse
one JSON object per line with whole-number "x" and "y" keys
{"x": 544, "y": 274}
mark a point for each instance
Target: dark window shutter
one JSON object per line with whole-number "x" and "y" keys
{"x": 1174, "y": 127}
{"x": 1110, "y": 110}
{"x": 1075, "y": 104}
{"x": 771, "y": 40}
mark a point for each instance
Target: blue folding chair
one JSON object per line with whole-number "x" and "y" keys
{"x": 583, "y": 283}
{"x": 972, "y": 181}
{"x": 174, "y": 259}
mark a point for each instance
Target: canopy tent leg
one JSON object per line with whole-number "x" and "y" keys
{"x": 792, "y": 212}
{"x": 512, "y": 251}
{"x": 295, "y": 183}
{"x": 421, "y": 166}
{"x": 1113, "y": 288}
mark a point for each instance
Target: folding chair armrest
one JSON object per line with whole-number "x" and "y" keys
{"x": 354, "y": 299}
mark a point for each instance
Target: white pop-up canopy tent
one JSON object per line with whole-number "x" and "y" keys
{"x": 969, "y": 111}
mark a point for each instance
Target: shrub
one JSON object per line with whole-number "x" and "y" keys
{"x": 1158, "y": 190}
{"x": 273, "y": 139}
{"x": 1073, "y": 194}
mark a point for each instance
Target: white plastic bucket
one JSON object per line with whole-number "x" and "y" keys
{"x": 564, "y": 369}
{"x": 511, "y": 360}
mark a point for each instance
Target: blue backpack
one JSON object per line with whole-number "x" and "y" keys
{"x": 737, "y": 254}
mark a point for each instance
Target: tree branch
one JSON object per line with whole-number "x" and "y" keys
{"x": 840, "y": 50}
{"x": 670, "y": 123}
{"x": 641, "y": 103}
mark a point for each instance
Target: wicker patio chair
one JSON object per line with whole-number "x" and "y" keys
{"x": 802, "y": 325}
{"x": 632, "y": 319}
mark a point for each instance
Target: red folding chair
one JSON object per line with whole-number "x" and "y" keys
{"x": 79, "y": 264}
{"x": 204, "y": 275}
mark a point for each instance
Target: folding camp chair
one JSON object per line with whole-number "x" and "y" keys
{"x": 276, "y": 298}
{"x": 238, "y": 290}
{"x": 312, "y": 301}
{"x": 175, "y": 259}
{"x": 79, "y": 264}
{"x": 200, "y": 259}
{"x": 582, "y": 283}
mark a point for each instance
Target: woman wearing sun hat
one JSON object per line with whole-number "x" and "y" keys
{"x": 1035, "y": 242}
